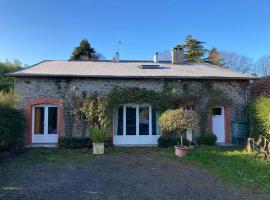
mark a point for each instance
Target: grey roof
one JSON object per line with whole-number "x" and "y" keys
{"x": 128, "y": 69}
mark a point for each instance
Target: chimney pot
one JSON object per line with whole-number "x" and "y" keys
{"x": 155, "y": 58}
{"x": 116, "y": 57}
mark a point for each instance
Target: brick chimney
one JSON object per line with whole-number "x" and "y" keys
{"x": 177, "y": 55}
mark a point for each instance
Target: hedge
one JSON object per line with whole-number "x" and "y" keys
{"x": 170, "y": 141}
{"x": 207, "y": 139}
{"x": 12, "y": 124}
{"x": 70, "y": 142}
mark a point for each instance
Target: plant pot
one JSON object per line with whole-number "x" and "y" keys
{"x": 98, "y": 148}
{"x": 180, "y": 151}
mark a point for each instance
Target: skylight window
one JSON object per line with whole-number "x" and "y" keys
{"x": 150, "y": 67}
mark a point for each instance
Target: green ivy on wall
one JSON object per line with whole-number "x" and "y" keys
{"x": 99, "y": 109}
{"x": 92, "y": 108}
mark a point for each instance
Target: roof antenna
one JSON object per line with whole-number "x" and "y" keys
{"x": 116, "y": 57}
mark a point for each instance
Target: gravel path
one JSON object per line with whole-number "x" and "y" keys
{"x": 117, "y": 176}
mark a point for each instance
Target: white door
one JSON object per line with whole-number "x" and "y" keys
{"x": 135, "y": 125}
{"x": 218, "y": 123}
{"x": 44, "y": 124}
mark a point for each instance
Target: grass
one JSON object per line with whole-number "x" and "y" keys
{"x": 61, "y": 156}
{"x": 233, "y": 165}
{"x": 50, "y": 155}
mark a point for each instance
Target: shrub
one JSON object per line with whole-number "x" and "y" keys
{"x": 12, "y": 124}
{"x": 207, "y": 139}
{"x": 259, "y": 116}
{"x": 178, "y": 121}
{"x": 8, "y": 99}
{"x": 97, "y": 135}
{"x": 170, "y": 141}
{"x": 74, "y": 142}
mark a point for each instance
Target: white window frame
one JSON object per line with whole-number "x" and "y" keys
{"x": 45, "y": 137}
{"x": 137, "y": 139}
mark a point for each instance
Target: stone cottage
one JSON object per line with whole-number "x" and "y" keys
{"x": 219, "y": 95}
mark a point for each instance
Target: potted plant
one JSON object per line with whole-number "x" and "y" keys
{"x": 98, "y": 136}
{"x": 177, "y": 121}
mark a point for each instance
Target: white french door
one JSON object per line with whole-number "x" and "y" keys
{"x": 44, "y": 124}
{"x": 135, "y": 125}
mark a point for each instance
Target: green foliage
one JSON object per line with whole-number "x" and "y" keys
{"x": 97, "y": 135}
{"x": 74, "y": 142}
{"x": 8, "y": 99}
{"x": 12, "y": 124}
{"x": 259, "y": 116}
{"x": 98, "y": 110}
{"x": 158, "y": 100}
{"x": 7, "y": 67}
{"x": 178, "y": 121}
{"x": 85, "y": 52}
{"x": 194, "y": 49}
{"x": 170, "y": 141}
{"x": 207, "y": 139}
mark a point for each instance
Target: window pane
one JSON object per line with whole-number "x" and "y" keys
{"x": 120, "y": 121}
{"x": 154, "y": 121}
{"x": 217, "y": 111}
{"x": 52, "y": 120}
{"x": 130, "y": 121}
{"x": 189, "y": 107}
{"x": 39, "y": 120}
{"x": 144, "y": 120}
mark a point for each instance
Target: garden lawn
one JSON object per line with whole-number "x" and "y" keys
{"x": 233, "y": 165}
{"x": 49, "y": 155}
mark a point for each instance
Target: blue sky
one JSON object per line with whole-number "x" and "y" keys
{"x": 34, "y": 30}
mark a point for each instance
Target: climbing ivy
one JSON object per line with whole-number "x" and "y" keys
{"x": 93, "y": 108}
{"x": 96, "y": 109}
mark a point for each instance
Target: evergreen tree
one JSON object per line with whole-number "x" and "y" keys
{"x": 84, "y": 52}
{"x": 214, "y": 57}
{"x": 194, "y": 49}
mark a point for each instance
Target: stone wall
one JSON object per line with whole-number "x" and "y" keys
{"x": 236, "y": 91}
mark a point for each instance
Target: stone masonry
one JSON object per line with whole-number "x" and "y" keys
{"x": 55, "y": 88}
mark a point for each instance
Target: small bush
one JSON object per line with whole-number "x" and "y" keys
{"x": 170, "y": 141}
{"x": 259, "y": 116}
{"x": 97, "y": 135}
{"x": 177, "y": 121}
{"x": 12, "y": 124}
{"x": 74, "y": 142}
{"x": 207, "y": 139}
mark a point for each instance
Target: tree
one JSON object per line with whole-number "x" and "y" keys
{"x": 7, "y": 67}
{"x": 237, "y": 62}
{"x": 194, "y": 49}
{"x": 178, "y": 121}
{"x": 214, "y": 57}
{"x": 263, "y": 66}
{"x": 85, "y": 52}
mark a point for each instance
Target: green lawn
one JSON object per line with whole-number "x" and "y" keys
{"x": 50, "y": 155}
{"x": 233, "y": 165}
